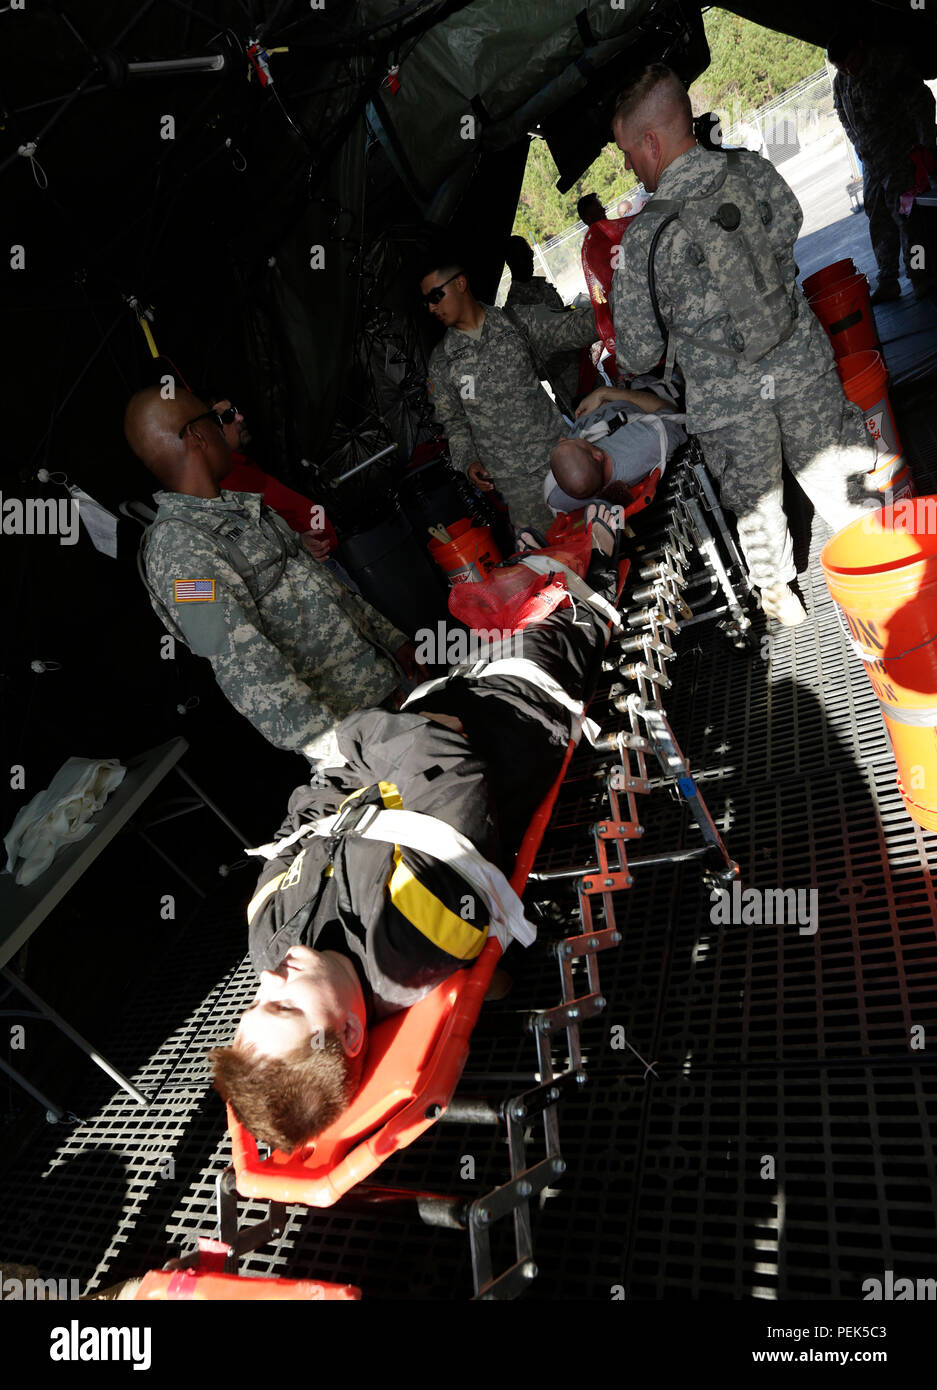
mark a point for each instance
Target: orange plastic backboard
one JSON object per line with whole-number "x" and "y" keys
{"x": 191, "y": 1285}
{"x": 414, "y": 1062}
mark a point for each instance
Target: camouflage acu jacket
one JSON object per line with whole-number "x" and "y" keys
{"x": 885, "y": 109}
{"x": 292, "y": 649}
{"x": 486, "y": 394}
{"x": 535, "y": 291}
{"x": 719, "y": 389}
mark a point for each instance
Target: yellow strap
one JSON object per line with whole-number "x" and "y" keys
{"x": 148, "y": 335}
{"x": 452, "y": 934}
{"x": 422, "y": 908}
{"x": 424, "y": 911}
{"x": 390, "y": 796}
{"x": 260, "y": 898}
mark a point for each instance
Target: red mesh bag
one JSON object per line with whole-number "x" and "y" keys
{"x": 510, "y": 598}
{"x": 597, "y": 246}
{"x": 925, "y": 164}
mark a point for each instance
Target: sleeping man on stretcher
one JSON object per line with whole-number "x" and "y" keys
{"x": 620, "y": 436}
{"x": 363, "y": 906}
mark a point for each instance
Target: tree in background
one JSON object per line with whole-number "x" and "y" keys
{"x": 543, "y": 212}
{"x": 749, "y": 65}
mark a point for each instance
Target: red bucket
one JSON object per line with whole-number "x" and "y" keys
{"x": 468, "y": 557}
{"x": 826, "y": 278}
{"x": 846, "y": 314}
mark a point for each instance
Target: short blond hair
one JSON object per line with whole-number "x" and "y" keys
{"x": 658, "y": 89}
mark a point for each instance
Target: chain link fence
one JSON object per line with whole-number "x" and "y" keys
{"x": 560, "y": 258}
{"x": 793, "y": 121}
{"x": 800, "y": 118}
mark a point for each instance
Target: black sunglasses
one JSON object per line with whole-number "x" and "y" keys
{"x": 220, "y": 417}
{"x": 437, "y": 295}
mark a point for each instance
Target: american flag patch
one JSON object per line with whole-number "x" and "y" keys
{"x": 193, "y": 590}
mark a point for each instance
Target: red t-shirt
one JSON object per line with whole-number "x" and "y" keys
{"x": 295, "y": 509}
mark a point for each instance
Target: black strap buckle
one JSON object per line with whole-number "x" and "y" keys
{"x": 349, "y": 822}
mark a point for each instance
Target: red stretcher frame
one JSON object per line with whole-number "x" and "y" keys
{"x": 416, "y": 1057}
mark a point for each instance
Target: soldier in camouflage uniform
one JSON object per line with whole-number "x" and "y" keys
{"x": 294, "y": 651}
{"x": 526, "y": 287}
{"x": 745, "y": 413}
{"x": 591, "y": 209}
{"x": 485, "y": 388}
{"x": 885, "y": 108}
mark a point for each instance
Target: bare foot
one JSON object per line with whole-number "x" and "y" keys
{"x": 525, "y": 542}
{"x": 450, "y": 721}
{"x": 607, "y": 524}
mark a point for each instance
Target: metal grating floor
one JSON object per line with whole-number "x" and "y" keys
{"x": 782, "y": 1147}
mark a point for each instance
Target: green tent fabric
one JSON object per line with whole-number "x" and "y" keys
{"x": 489, "y": 73}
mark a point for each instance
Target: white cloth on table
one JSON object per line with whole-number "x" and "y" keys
{"x": 59, "y": 815}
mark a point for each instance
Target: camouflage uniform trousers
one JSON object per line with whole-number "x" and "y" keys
{"x": 888, "y": 230}
{"x": 489, "y": 403}
{"x": 824, "y": 442}
{"x": 523, "y": 493}
{"x": 562, "y": 366}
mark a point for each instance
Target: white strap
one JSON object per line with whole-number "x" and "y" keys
{"x": 275, "y": 847}
{"x": 657, "y": 420}
{"x": 530, "y": 671}
{"x": 545, "y": 564}
{"x": 414, "y": 830}
{"x": 424, "y": 689}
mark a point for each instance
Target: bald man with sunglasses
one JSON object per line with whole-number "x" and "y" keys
{"x": 293, "y": 650}
{"x": 484, "y": 384}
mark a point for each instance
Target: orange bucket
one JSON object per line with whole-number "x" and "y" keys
{"x": 882, "y": 573}
{"x": 468, "y": 557}
{"x": 827, "y": 277}
{"x": 865, "y": 381}
{"x": 892, "y": 479}
{"x": 846, "y": 314}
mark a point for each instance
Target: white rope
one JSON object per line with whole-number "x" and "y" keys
{"x": 28, "y": 151}
{"x": 547, "y": 564}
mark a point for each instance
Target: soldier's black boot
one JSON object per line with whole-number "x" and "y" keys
{"x": 885, "y": 291}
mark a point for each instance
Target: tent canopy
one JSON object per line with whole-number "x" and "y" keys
{"x": 266, "y": 227}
